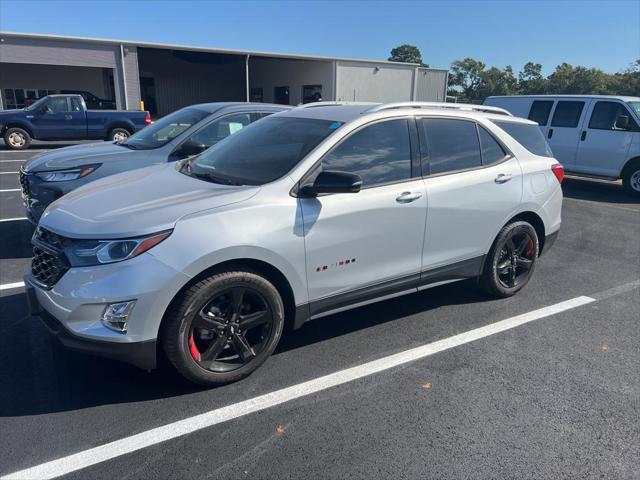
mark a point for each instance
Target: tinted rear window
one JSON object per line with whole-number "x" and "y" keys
{"x": 529, "y": 136}
{"x": 452, "y": 145}
{"x": 540, "y": 110}
{"x": 567, "y": 114}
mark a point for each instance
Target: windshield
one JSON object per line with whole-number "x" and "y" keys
{"x": 164, "y": 130}
{"x": 261, "y": 152}
{"x": 635, "y": 106}
{"x": 38, "y": 104}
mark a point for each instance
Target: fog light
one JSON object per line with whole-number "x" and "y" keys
{"x": 116, "y": 314}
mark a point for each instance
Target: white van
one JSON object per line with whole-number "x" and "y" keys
{"x": 591, "y": 135}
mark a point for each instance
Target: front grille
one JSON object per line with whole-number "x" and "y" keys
{"x": 49, "y": 263}
{"x": 24, "y": 184}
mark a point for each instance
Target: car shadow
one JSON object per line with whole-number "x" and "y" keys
{"x": 597, "y": 191}
{"x": 15, "y": 239}
{"x": 40, "y": 376}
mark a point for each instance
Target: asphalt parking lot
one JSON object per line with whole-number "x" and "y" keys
{"x": 540, "y": 391}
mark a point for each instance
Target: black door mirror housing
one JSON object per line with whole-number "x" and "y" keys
{"x": 332, "y": 182}
{"x": 622, "y": 122}
{"x": 189, "y": 148}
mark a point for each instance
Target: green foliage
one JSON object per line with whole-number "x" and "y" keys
{"x": 407, "y": 54}
{"x": 471, "y": 81}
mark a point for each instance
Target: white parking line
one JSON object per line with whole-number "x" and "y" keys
{"x": 11, "y": 286}
{"x": 10, "y": 190}
{"x": 9, "y": 173}
{"x": 12, "y": 161}
{"x": 93, "y": 456}
{"x": 12, "y": 219}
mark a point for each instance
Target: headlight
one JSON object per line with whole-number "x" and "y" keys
{"x": 66, "y": 175}
{"x": 84, "y": 253}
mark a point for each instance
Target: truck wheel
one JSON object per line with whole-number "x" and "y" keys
{"x": 631, "y": 178}
{"x": 17, "y": 139}
{"x": 119, "y": 134}
{"x": 223, "y": 327}
{"x": 511, "y": 261}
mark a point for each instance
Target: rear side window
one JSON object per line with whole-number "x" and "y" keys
{"x": 567, "y": 114}
{"x": 540, "y": 110}
{"x": 379, "y": 153}
{"x": 611, "y": 116}
{"x": 451, "y": 145}
{"x": 492, "y": 152}
{"x": 529, "y": 136}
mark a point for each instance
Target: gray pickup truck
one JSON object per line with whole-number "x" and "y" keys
{"x": 65, "y": 117}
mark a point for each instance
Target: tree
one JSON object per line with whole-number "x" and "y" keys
{"x": 466, "y": 77}
{"x": 530, "y": 80}
{"x": 407, "y": 54}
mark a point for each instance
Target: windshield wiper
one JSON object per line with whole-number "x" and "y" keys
{"x": 215, "y": 178}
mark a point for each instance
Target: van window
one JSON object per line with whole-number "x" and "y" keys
{"x": 379, "y": 153}
{"x": 451, "y": 144}
{"x": 529, "y": 136}
{"x": 567, "y": 114}
{"x": 540, "y": 110}
{"x": 611, "y": 116}
{"x": 492, "y": 152}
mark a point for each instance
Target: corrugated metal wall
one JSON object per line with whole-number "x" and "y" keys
{"x": 431, "y": 85}
{"x": 132, "y": 77}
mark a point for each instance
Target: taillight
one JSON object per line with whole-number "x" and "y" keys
{"x": 558, "y": 171}
{"x": 147, "y": 119}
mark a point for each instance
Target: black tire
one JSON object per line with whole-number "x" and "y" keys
{"x": 195, "y": 327}
{"x": 516, "y": 242}
{"x": 17, "y": 138}
{"x": 119, "y": 134}
{"x": 631, "y": 178}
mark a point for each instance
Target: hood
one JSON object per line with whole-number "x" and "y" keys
{"x": 77, "y": 155}
{"x": 135, "y": 203}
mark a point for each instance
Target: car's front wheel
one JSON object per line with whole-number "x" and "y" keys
{"x": 631, "y": 178}
{"x": 223, "y": 327}
{"x": 511, "y": 261}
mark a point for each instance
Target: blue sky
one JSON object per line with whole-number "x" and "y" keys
{"x": 603, "y": 34}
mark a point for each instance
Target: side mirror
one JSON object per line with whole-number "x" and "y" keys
{"x": 45, "y": 109}
{"x": 622, "y": 122}
{"x": 190, "y": 148}
{"x": 332, "y": 182}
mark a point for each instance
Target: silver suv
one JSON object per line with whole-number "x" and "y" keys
{"x": 307, "y": 212}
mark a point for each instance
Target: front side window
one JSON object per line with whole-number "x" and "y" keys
{"x": 527, "y": 135}
{"x": 260, "y": 153}
{"x": 379, "y": 153}
{"x": 164, "y": 130}
{"x": 567, "y": 114}
{"x": 452, "y": 145}
{"x": 76, "y": 106}
{"x": 492, "y": 152}
{"x": 540, "y": 110}
{"x": 57, "y": 105}
{"x": 611, "y": 116}
{"x": 222, "y": 128}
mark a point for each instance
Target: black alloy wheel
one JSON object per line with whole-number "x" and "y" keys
{"x": 230, "y": 330}
{"x": 511, "y": 261}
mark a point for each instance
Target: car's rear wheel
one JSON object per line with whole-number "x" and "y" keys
{"x": 631, "y": 178}
{"x": 223, "y": 327}
{"x": 17, "y": 138}
{"x": 119, "y": 134}
{"x": 511, "y": 261}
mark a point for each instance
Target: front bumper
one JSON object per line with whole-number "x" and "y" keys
{"x": 73, "y": 306}
{"x": 139, "y": 354}
{"x": 37, "y": 194}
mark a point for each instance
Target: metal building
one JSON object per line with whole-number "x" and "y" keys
{"x": 168, "y": 77}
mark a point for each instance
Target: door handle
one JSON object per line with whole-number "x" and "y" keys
{"x": 408, "y": 197}
{"x": 68, "y": 117}
{"x": 550, "y": 134}
{"x": 583, "y": 137}
{"x": 503, "y": 178}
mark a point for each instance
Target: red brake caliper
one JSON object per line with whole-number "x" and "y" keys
{"x": 530, "y": 248}
{"x": 193, "y": 349}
